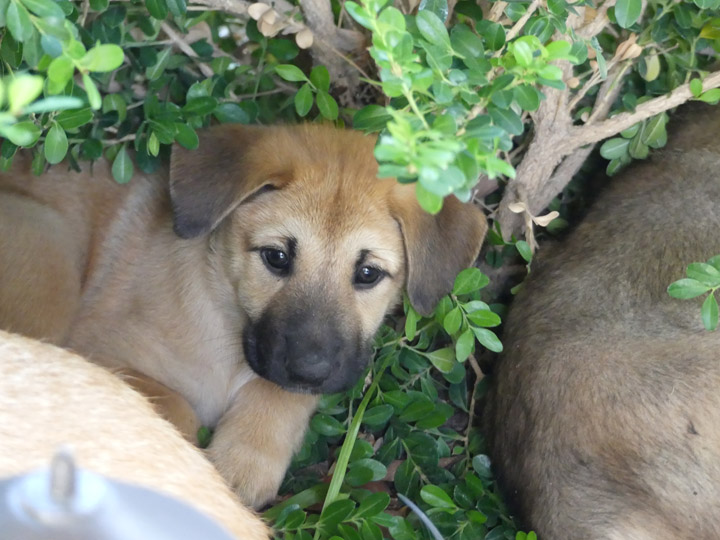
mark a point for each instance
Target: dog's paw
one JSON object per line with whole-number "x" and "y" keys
{"x": 254, "y": 474}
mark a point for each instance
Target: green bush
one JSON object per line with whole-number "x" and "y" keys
{"x": 495, "y": 102}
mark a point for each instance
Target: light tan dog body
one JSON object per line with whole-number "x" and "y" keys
{"x": 604, "y": 418}
{"x": 97, "y": 267}
{"x": 51, "y": 398}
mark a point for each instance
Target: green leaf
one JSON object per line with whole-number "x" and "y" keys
{"x": 70, "y": 120}
{"x": 711, "y": 96}
{"x": 52, "y": 104}
{"x": 655, "y": 134}
{"x": 177, "y": 7}
{"x": 627, "y": 12}
{"x": 651, "y": 69}
{"x": 103, "y": 58}
{"x": 200, "y": 106}
{"x": 56, "y": 144}
{"x": 371, "y": 118}
{"x": 469, "y": 280}
{"x": 443, "y": 359}
{"x": 327, "y": 425}
{"x": 359, "y": 13}
{"x": 524, "y": 250}
{"x": 44, "y": 8}
{"x": 429, "y": 202}
{"x": 378, "y": 415}
{"x": 705, "y": 273}
{"x": 327, "y": 105}
{"x": 464, "y": 345}
{"x": 59, "y": 72}
{"x": 157, "y": 69}
{"x": 372, "y": 505}
{"x": 290, "y": 73}
{"x": 687, "y": 288}
{"x": 204, "y": 436}
{"x": 436, "y": 497}
{"x": 411, "y": 320}
{"x": 22, "y": 90}
{"x": 506, "y": 119}
{"x": 484, "y": 318}
{"x": 335, "y": 513}
{"x": 527, "y": 97}
{"x": 232, "y": 113}
{"x": 18, "y": 21}
{"x": 715, "y": 262}
{"x": 432, "y": 29}
{"x": 453, "y": 320}
{"x": 523, "y": 53}
{"x": 614, "y": 148}
{"x": 488, "y": 339}
{"x": 157, "y": 8}
{"x": 186, "y": 136}
{"x": 303, "y": 100}
{"x": 122, "y": 167}
{"x": 709, "y": 312}
{"x": 465, "y": 42}
{"x": 493, "y": 33}
{"x": 696, "y": 87}
{"x": 438, "y": 7}
{"x": 365, "y": 470}
{"x": 22, "y": 133}
{"x": 115, "y": 102}
{"x": 320, "y": 77}
{"x": 93, "y": 93}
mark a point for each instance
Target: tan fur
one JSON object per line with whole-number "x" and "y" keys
{"x": 51, "y": 398}
{"x": 604, "y": 418}
{"x": 133, "y": 295}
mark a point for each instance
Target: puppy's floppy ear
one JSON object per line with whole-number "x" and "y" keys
{"x": 436, "y": 247}
{"x": 207, "y": 183}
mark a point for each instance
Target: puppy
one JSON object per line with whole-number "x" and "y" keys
{"x": 238, "y": 284}
{"x": 50, "y": 398}
{"x": 604, "y": 417}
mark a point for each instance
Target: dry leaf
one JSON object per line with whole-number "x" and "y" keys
{"x": 547, "y": 218}
{"x": 257, "y": 10}
{"x": 304, "y": 38}
{"x": 517, "y": 207}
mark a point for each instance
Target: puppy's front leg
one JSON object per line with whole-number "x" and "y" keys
{"x": 256, "y": 439}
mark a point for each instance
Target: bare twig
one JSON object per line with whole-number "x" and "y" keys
{"x": 329, "y": 45}
{"x": 515, "y": 30}
{"x": 598, "y": 131}
{"x": 185, "y": 48}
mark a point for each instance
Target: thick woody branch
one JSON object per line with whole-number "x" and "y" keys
{"x": 329, "y": 46}
{"x": 591, "y": 133}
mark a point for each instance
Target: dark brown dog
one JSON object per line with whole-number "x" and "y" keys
{"x": 268, "y": 251}
{"x": 604, "y": 418}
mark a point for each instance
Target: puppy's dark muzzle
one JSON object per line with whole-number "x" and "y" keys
{"x": 304, "y": 352}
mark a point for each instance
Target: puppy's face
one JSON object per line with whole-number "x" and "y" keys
{"x": 317, "y": 249}
{"x": 315, "y": 268}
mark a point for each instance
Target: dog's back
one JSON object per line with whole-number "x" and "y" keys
{"x": 604, "y": 418}
{"x": 51, "y": 398}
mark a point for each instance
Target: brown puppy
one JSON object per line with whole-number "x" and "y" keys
{"x": 50, "y": 398}
{"x": 267, "y": 251}
{"x": 604, "y": 417}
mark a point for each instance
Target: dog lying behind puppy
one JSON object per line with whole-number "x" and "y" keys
{"x": 604, "y": 418}
{"x": 267, "y": 251}
{"x": 50, "y": 397}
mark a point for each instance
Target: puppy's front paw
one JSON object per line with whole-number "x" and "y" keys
{"x": 255, "y": 474}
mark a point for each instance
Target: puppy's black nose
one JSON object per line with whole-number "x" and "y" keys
{"x": 310, "y": 368}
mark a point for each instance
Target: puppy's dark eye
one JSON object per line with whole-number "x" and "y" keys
{"x": 367, "y": 276}
{"x": 277, "y": 261}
